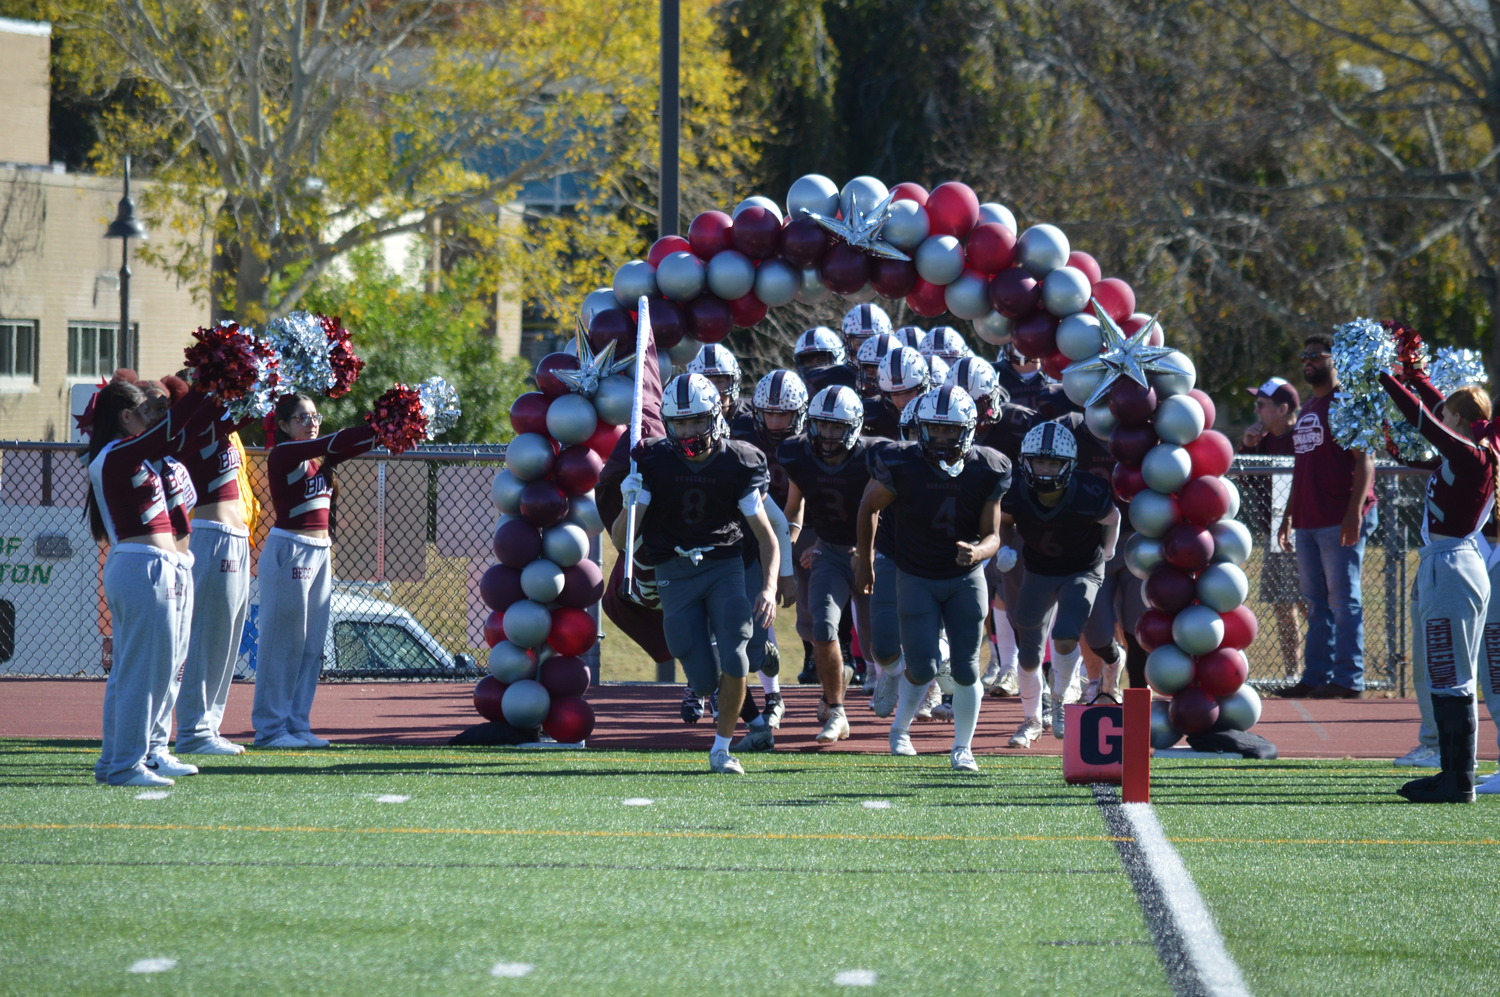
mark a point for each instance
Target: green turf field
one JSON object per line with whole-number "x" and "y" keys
{"x": 477, "y": 871}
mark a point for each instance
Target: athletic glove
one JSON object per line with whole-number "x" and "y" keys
{"x": 1005, "y": 558}
{"x": 633, "y": 490}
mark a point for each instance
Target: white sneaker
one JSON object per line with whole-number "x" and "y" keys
{"x": 309, "y": 739}
{"x": 146, "y": 778}
{"x": 901, "y": 743}
{"x": 282, "y": 741}
{"x": 1029, "y": 731}
{"x": 1008, "y": 684}
{"x": 1090, "y": 691}
{"x": 212, "y": 746}
{"x": 1423, "y": 756}
{"x": 836, "y": 728}
{"x": 963, "y": 760}
{"x": 724, "y": 763}
{"x": 991, "y": 673}
{"x": 1057, "y": 716}
{"x": 756, "y": 739}
{"x": 887, "y": 687}
{"x": 934, "y": 698}
{"x": 167, "y": 764}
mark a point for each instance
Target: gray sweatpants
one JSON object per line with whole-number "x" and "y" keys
{"x": 1489, "y": 658}
{"x": 830, "y": 584}
{"x": 1450, "y": 597}
{"x": 296, "y": 583}
{"x": 706, "y": 618}
{"x": 1068, "y": 598}
{"x": 221, "y": 599}
{"x": 932, "y": 606}
{"x": 149, "y": 592}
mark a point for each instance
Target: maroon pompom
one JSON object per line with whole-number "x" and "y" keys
{"x": 226, "y": 360}
{"x": 397, "y": 419}
{"x": 341, "y": 357}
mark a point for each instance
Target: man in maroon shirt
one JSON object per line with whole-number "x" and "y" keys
{"x": 1276, "y": 404}
{"x": 1332, "y": 511}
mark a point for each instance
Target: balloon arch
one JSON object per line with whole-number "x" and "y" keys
{"x": 939, "y": 251}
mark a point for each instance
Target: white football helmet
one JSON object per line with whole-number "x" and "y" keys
{"x": 841, "y": 405}
{"x": 946, "y": 342}
{"x": 908, "y": 420}
{"x": 719, "y": 366}
{"x": 813, "y": 344}
{"x": 977, "y": 377}
{"x": 780, "y": 391}
{"x": 1051, "y": 440}
{"x": 912, "y": 336}
{"x": 937, "y": 370}
{"x": 903, "y": 369}
{"x": 871, "y": 352}
{"x": 947, "y": 406}
{"x": 861, "y": 322}
{"x": 692, "y": 396}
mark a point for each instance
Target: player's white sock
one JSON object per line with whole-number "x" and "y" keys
{"x": 770, "y": 683}
{"x": 1005, "y": 642}
{"x": 909, "y": 699}
{"x": 965, "y": 712}
{"x": 1030, "y": 682}
{"x": 1064, "y": 667}
{"x": 721, "y": 743}
{"x": 897, "y": 667}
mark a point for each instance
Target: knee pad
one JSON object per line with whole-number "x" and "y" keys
{"x": 1109, "y": 653}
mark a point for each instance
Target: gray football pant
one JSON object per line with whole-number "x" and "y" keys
{"x": 149, "y": 592}
{"x": 706, "y": 618}
{"x": 830, "y": 584}
{"x": 296, "y": 584}
{"x": 221, "y": 600}
{"x": 805, "y": 539}
{"x": 755, "y": 647}
{"x": 1118, "y": 601}
{"x": 931, "y": 606}
{"x": 1068, "y": 598}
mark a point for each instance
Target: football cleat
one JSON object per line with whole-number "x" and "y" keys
{"x": 693, "y": 706}
{"x": 901, "y": 743}
{"x": 1029, "y": 732}
{"x": 724, "y": 763}
{"x": 774, "y": 709}
{"x": 963, "y": 760}
{"x": 756, "y": 739}
{"x": 836, "y": 728}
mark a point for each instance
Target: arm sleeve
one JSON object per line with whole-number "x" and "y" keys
{"x": 1457, "y": 449}
{"x": 168, "y": 435}
{"x": 783, "y": 536}
{"x": 1422, "y": 386}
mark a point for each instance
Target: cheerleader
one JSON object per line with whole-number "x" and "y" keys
{"x": 295, "y": 576}
{"x": 1452, "y": 587}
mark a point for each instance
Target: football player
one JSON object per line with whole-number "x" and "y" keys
{"x": 860, "y": 323}
{"x": 821, "y": 360}
{"x": 723, "y": 371}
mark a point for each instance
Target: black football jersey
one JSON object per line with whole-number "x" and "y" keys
{"x": 743, "y": 428}
{"x": 818, "y": 378}
{"x": 696, "y": 505}
{"x": 1041, "y": 394}
{"x": 830, "y": 495}
{"x": 881, "y": 419}
{"x": 1093, "y": 453}
{"x": 1010, "y": 427}
{"x": 935, "y": 511}
{"x": 1066, "y": 538}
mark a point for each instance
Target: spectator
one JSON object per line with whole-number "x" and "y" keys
{"x": 1270, "y": 435}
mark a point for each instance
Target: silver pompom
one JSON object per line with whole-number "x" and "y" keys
{"x": 302, "y": 346}
{"x": 439, "y": 405}
{"x": 1453, "y": 368}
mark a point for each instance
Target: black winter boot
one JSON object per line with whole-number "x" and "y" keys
{"x": 1458, "y": 732}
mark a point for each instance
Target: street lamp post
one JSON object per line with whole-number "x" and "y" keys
{"x": 125, "y": 227}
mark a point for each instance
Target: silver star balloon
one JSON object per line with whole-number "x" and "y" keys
{"x": 592, "y": 367}
{"x": 862, "y": 229}
{"x": 1129, "y": 356}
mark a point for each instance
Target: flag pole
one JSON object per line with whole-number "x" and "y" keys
{"x": 642, "y": 332}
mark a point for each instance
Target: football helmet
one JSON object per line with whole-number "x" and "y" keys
{"x": 908, "y": 420}
{"x": 716, "y": 363}
{"x": 871, "y": 352}
{"x": 946, "y": 342}
{"x": 813, "y": 344}
{"x": 911, "y": 335}
{"x": 947, "y": 406}
{"x": 780, "y": 391}
{"x": 839, "y": 404}
{"x": 977, "y": 377}
{"x": 903, "y": 369}
{"x": 1054, "y": 441}
{"x": 690, "y": 397}
{"x": 861, "y": 322}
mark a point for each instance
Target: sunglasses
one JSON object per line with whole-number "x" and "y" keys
{"x": 1311, "y": 357}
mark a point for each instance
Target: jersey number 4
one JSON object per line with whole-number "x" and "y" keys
{"x": 945, "y": 520}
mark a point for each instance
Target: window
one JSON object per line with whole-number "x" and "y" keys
{"x": 18, "y": 341}
{"x": 363, "y": 647}
{"x": 92, "y": 348}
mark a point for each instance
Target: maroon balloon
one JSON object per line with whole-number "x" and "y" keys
{"x": 756, "y": 232}
{"x": 928, "y": 299}
{"x": 910, "y": 192}
{"x": 667, "y": 325}
{"x": 1131, "y": 402}
{"x": 1211, "y": 453}
{"x": 543, "y": 504}
{"x": 569, "y": 720}
{"x": 604, "y": 439}
{"x": 1014, "y": 292}
{"x": 1219, "y": 673}
{"x": 804, "y": 243}
{"x": 494, "y": 628}
{"x": 1154, "y": 629}
{"x": 990, "y": 248}
{"x": 1036, "y": 335}
{"x": 612, "y": 326}
{"x": 488, "y": 692}
{"x": 583, "y": 585}
{"x": 952, "y": 209}
{"x": 747, "y": 311}
{"x": 1082, "y": 261}
{"x": 573, "y": 631}
{"x": 1193, "y": 710}
{"x": 1169, "y": 589}
{"x": 845, "y": 269}
{"x": 528, "y": 413}
{"x": 1210, "y": 411}
{"x": 893, "y": 279}
{"x": 564, "y": 675}
{"x": 1129, "y": 444}
{"x": 577, "y": 469}
{"x": 666, "y": 246}
{"x": 708, "y": 318}
{"x": 1240, "y": 627}
{"x": 1115, "y": 297}
{"x": 1188, "y": 547}
{"x": 1204, "y": 501}
{"x": 547, "y": 380}
{"x": 517, "y": 543}
{"x": 1054, "y": 365}
{"x": 500, "y": 587}
{"x": 709, "y": 234}
{"x": 1128, "y": 481}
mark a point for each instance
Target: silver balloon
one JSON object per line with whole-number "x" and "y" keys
{"x": 1232, "y": 543}
{"x": 527, "y": 623}
{"x": 989, "y": 211}
{"x": 866, "y": 293}
{"x": 614, "y": 399}
{"x": 633, "y": 280}
{"x": 1100, "y": 420}
{"x": 761, "y": 202}
{"x": 1153, "y": 513}
{"x": 813, "y": 291}
{"x": 505, "y": 492}
{"x": 564, "y": 545}
{"x": 869, "y": 192}
{"x": 1066, "y": 290}
{"x": 777, "y": 282}
{"x": 812, "y": 193}
{"x": 1079, "y": 385}
{"x": 993, "y": 328}
{"x": 731, "y": 274}
{"x": 530, "y": 455}
{"x": 1174, "y": 384}
{"x": 683, "y": 353}
{"x": 1168, "y": 670}
{"x": 1163, "y": 734}
{"x": 907, "y": 225}
{"x": 940, "y": 259}
{"x": 1166, "y": 467}
{"x": 1233, "y": 508}
{"x": 525, "y": 704}
{"x": 681, "y": 276}
{"x": 510, "y": 663}
{"x": 1240, "y": 710}
{"x": 601, "y": 300}
{"x": 1223, "y": 587}
{"x": 1079, "y": 336}
{"x": 968, "y": 297}
{"x": 1178, "y": 419}
{"x": 583, "y": 513}
{"x": 543, "y": 653}
{"x": 1195, "y": 630}
{"x": 1041, "y": 249}
{"x": 542, "y": 580}
{"x": 1142, "y": 554}
{"x": 571, "y": 347}
{"x": 571, "y": 419}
